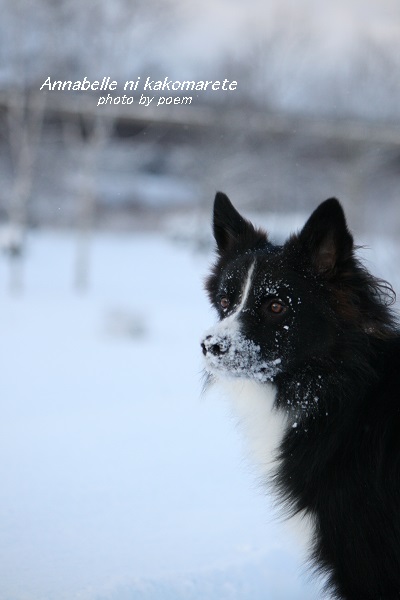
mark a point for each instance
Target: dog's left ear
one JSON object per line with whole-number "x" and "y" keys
{"x": 326, "y": 237}
{"x": 231, "y": 230}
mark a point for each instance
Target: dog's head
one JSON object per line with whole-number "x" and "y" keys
{"x": 281, "y": 306}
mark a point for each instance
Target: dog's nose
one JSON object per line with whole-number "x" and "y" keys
{"x": 214, "y": 346}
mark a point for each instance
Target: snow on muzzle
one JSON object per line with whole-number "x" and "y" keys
{"x": 233, "y": 355}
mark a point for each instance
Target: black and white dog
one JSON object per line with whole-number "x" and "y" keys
{"x": 310, "y": 349}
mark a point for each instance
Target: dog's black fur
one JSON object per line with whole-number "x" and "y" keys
{"x": 338, "y": 379}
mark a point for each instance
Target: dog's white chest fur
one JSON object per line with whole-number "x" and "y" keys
{"x": 263, "y": 425}
{"x": 264, "y": 428}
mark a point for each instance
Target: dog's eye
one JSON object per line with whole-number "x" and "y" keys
{"x": 276, "y": 306}
{"x": 224, "y": 302}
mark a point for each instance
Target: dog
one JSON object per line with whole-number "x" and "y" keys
{"x": 308, "y": 344}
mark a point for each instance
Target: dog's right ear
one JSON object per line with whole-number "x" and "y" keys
{"x": 326, "y": 238}
{"x": 231, "y": 229}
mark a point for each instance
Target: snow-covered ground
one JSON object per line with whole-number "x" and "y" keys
{"x": 118, "y": 480}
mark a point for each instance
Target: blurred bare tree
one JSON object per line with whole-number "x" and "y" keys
{"x": 66, "y": 39}
{"x": 25, "y": 111}
{"x": 88, "y": 148}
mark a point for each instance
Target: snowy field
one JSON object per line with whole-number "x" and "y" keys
{"x": 118, "y": 480}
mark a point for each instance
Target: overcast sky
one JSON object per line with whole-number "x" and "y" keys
{"x": 333, "y": 27}
{"x": 301, "y": 54}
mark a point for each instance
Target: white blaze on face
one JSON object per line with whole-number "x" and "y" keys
{"x": 231, "y": 323}
{"x": 230, "y": 326}
{"x": 247, "y": 287}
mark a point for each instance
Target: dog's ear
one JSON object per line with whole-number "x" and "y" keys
{"x": 231, "y": 229}
{"x": 326, "y": 238}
